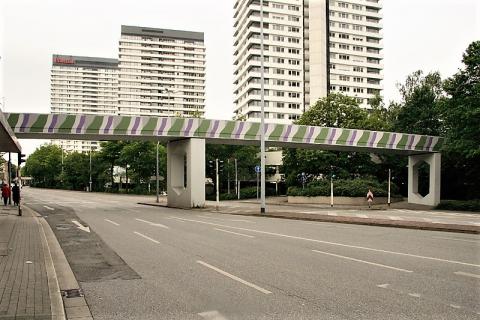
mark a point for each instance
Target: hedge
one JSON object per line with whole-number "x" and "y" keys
{"x": 344, "y": 188}
{"x": 460, "y": 205}
{"x": 245, "y": 193}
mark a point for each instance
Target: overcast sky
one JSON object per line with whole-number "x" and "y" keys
{"x": 418, "y": 34}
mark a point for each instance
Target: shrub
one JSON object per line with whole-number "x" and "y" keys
{"x": 460, "y": 205}
{"x": 344, "y": 188}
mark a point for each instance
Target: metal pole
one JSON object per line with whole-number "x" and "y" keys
{"x": 257, "y": 185}
{"x": 61, "y": 180}
{"x": 238, "y": 190}
{"x": 156, "y": 176}
{"x": 331, "y": 191}
{"x": 262, "y": 115}
{"x": 90, "y": 182}
{"x": 228, "y": 176}
{"x": 10, "y": 177}
{"x": 217, "y": 184}
{"x": 389, "y": 179}
{"x": 236, "y": 176}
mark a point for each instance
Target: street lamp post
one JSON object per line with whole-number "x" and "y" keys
{"x": 217, "y": 183}
{"x": 262, "y": 115}
{"x": 236, "y": 179}
{"x": 389, "y": 181}
{"x": 156, "y": 175}
{"x": 90, "y": 171}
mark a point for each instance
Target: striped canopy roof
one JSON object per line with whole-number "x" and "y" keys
{"x": 111, "y": 127}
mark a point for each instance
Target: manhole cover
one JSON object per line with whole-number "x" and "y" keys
{"x": 72, "y": 293}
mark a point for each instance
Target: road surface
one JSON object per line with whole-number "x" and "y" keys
{"x": 161, "y": 263}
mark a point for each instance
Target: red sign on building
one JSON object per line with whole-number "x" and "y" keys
{"x": 64, "y": 60}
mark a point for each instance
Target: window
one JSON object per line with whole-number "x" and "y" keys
{"x": 344, "y": 78}
{"x": 344, "y": 46}
{"x": 278, "y": 38}
{"x": 332, "y": 34}
{"x": 344, "y": 25}
{"x": 293, "y": 84}
{"x": 357, "y": 7}
{"x": 357, "y": 17}
{"x": 293, "y": 29}
{"x": 293, "y": 40}
{"x": 357, "y": 69}
{"x": 294, "y": 8}
{"x": 358, "y": 90}
{"x": 343, "y": 15}
{"x": 279, "y": 93}
{"x": 293, "y": 51}
{"x": 294, "y": 106}
{"x": 293, "y": 73}
{"x": 277, "y": 27}
{"x": 357, "y": 79}
{"x": 342, "y": 5}
{"x": 344, "y": 88}
{"x": 357, "y": 48}
{"x": 343, "y": 57}
{"x": 293, "y": 117}
{"x": 293, "y": 62}
{"x": 343, "y": 36}
{"x": 279, "y": 104}
{"x": 277, "y": 6}
{"x": 293, "y": 18}
{"x": 357, "y": 27}
{"x": 332, "y": 24}
{"x": 294, "y": 95}
{"x": 280, "y": 116}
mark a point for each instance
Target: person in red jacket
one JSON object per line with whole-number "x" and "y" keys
{"x": 5, "y": 193}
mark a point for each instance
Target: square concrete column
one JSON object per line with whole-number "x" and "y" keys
{"x": 434, "y": 162}
{"x": 186, "y": 173}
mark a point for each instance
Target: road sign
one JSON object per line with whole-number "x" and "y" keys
{"x": 257, "y": 169}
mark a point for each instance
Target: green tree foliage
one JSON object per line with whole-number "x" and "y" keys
{"x": 45, "y": 165}
{"x": 246, "y": 157}
{"x": 461, "y": 119}
{"x": 335, "y": 110}
{"x": 422, "y": 98}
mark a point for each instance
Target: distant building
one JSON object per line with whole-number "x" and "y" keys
{"x": 161, "y": 72}
{"x": 83, "y": 85}
{"x": 311, "y": 47}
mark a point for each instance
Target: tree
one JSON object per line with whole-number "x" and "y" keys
{"x": 76, "y": 170}
{"x": 140, "y": 156}
{"x": 110, "y": 153}
{"x": 422, "y": 98}
{"x": 335, "y": 110}
{"x": 45, "y": 165}
{"x": 461, "y": 116}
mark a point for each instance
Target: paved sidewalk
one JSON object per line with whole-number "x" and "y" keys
{"x": 24, "y": 271}
{"x": 23, "y": 277}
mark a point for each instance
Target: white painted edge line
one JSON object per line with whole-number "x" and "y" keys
{"x": 335, "y": 243}
{"x": 239, "y": 234}
{"x": 363, "y": 261}
{"x": 455, "y": 239}
{"x": 146, "y": 237}
{"x": 153, "y": 223}
{"x": 332, "y": 214}
{"x": 175, "y": 219}
{"x": 231, "y": 276}
{"x": 383, "y": 286}
{"x": 112, "y": 222}
{"x": 415, "y": 295}
{"x": 395, "y": 218}
{"x": 466, "y": 274}
{"x": 241, "y": 220}
{"x": 48, "y": 208}
{"x": 212, "y": 315}
{"x": 362, "y": 216}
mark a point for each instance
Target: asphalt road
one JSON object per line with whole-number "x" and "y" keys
{"x": 199, "y": 265}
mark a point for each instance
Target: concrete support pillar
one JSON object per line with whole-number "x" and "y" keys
{"x": 414, "y": 162}
{"x": 186, "y": 173}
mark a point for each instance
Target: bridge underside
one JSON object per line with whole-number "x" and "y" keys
{"x": 186, "y": 139}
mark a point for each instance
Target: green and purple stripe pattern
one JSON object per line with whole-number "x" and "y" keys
{"x": 102, "y": 126}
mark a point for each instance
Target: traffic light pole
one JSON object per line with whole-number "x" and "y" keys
{"x": 10, "y": 177}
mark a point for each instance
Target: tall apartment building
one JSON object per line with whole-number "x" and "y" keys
{"x": 161, "y": 72}
{"x": 311, "y": 47}
{"x": 83, "y": 85}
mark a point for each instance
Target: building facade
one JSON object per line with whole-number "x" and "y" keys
{"x": 311, "y": 47}
{"x": 83, "y": 85}
{"x": 161, "y": 72}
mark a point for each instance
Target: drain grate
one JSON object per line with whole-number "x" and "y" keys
{"x": 72, "y": 293}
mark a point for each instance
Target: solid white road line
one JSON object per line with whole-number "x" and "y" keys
{"x": 231, "y": 276}
{"x": 363, "y": 261}
{"x": 415, "y": 295}
{"x": 332, "y": 214}
{"x": 383, "y": 286}
{"x": 466, "y": 274}
{"x": 335, "y": 243}
{"x": 361, "y": 215}
{"x": 152, "y": 223}
{"x": 212, "y": 315}
{"x": 146, "y": 237}
{"x": 455, "y": 239}
{"x": 240, "y": 234}
{"x": 241, "y": 220}
{"x": 395, "y": 218}
{"x": 112, "y": 222}
{"x": 48, "y": 208}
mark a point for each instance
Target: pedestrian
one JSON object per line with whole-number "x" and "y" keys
{"x": 16, "y": 194}
{"x": 369, "y": 197}
{"x": 5, "y": 193}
